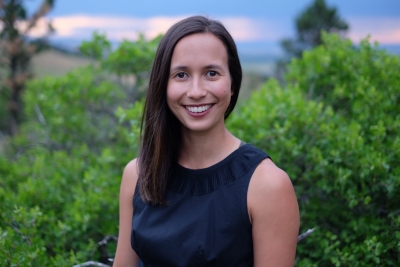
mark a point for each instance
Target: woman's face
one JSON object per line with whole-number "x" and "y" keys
{"x": 199, "y": 85}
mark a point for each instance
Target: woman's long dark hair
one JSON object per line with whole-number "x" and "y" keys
{"x": 160, "y": 130}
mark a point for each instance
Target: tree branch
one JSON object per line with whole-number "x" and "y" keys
{"x": 305, "y": 234}
{"x": 44, "y": 8}
{"x": 91, "y": 263}
{"x": 106, "y": 239}
{"x": 39, "y": 114}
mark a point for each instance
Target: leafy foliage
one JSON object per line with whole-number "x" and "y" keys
{"x": 97, "y": 48}
{"x": 62, "y": 174}
{"x": 130, "y": 62}
{"x": 334, "y": 129}
{"x": 341, "y": 148}
{"x": 361, "y": 83}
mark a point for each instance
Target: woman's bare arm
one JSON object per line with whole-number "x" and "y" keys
{"x": 125, "y": 255}
{"x": 274, "y": 213}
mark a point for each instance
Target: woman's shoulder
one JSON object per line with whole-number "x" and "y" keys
{"x": 270, "y": 177}
{"x": 130, "y": 177}
{"x": 269, "y": 180}
{"x": 270, "y": 185}
{"x": 132, "y": 166}
{"x": 274, "y": 214}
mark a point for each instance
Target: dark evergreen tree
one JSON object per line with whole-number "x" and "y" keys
{"x": 310, "y": 23}
{"x": 15, "y": 56}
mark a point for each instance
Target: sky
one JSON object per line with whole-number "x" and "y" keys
{"x": 256, "y": 25}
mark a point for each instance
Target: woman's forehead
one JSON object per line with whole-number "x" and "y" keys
{"x": 199, "y": 48}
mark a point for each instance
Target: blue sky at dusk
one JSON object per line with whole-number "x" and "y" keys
{"x": 256, "y": 25}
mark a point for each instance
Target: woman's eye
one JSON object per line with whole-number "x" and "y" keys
{"x": 212, "y": 73}
{"x": 180, "y": 75}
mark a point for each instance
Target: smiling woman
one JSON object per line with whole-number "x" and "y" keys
{"x": 197, "y": 195}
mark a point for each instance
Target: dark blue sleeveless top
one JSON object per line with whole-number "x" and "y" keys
{"x": 206, "y": 222}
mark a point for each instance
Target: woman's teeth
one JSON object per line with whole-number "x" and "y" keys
{"x": 198, "y": 109}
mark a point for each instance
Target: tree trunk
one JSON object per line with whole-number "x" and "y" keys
{"x": 13, "y": 105}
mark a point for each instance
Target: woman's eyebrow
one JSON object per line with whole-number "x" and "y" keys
{"x": 179, "y": 67}
{"x": 182, "y": 67}
{"x": 212, "y": 66}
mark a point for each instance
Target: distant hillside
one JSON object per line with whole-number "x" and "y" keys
{"x": 260, "y": 64}
{"x": 56, "y": 63}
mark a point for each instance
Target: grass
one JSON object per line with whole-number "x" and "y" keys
{"x": 56, "y": 63}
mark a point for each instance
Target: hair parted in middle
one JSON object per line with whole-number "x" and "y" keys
{"x": 160, "y": 129}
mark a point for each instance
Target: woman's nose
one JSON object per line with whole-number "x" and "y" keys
{"x": 196, "y": 89}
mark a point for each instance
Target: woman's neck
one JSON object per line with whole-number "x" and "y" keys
{"x": 204, "y": 149}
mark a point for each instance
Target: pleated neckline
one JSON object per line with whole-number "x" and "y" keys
{"x": 204, "y": 181}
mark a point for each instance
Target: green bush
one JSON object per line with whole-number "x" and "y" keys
{"x": 60, "y": 178}
{"x": 334, "y": 129}
{"x": 131, "y": 61}
{"x": 361, "y": 83}
{"x": 341, "y": 148}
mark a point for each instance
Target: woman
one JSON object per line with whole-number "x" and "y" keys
{"x": 201, "y": 197}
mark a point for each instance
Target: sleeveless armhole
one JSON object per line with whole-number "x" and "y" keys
{"x": 261, "y": 155}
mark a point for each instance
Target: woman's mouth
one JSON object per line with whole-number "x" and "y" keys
{"x": 198, "y": 109}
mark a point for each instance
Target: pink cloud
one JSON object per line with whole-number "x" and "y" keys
{"x": 383, "y": 30}
{"x": 117, "y": 28}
